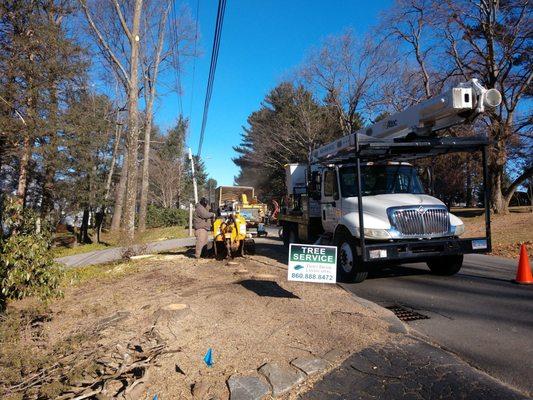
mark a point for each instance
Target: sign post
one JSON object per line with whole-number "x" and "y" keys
{"x": 312, "y": 263}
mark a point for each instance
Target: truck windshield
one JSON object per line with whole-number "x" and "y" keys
{"x": 380, "y": 179}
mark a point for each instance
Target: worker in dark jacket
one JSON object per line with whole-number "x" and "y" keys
{"x": 202, "y": 225}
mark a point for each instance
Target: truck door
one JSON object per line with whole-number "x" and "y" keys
{"x": 330, "y": 204}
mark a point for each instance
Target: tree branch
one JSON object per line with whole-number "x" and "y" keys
{"x": 123, "y": 74}
{"x": 123, "y": 21}
{"x": 528, "y": 173}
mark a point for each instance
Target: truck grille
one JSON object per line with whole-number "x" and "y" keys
{"x": 421, "y": 221}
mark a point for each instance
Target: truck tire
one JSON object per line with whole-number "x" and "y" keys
{"x": 349, "y": 266}
{"x": 290, "y": 234}
{"x": 446, "y": 265}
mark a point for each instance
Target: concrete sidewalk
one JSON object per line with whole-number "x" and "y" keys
{"x": 115, "y": 253}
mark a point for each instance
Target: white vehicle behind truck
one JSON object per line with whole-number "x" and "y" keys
{"x": 362, "y": 194}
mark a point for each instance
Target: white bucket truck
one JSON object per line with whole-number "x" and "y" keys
{"x": 361, "y": 193}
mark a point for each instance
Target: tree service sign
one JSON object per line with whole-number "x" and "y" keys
{"x": 310, "y": 263}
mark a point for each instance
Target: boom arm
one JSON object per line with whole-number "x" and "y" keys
{"x": 458, "y": 105}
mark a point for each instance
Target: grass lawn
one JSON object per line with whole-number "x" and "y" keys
{"x": 508, "y": 231}
{"x": 115, "y": 240}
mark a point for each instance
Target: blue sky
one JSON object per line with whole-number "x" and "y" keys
{"x": 263, "y": 41}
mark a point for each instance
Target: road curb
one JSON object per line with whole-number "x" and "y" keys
{"x": 396, "y": 325}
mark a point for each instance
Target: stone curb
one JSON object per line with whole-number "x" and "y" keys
{"x": 282, "y": 379}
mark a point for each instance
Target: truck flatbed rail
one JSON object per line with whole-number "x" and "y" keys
{"x": 374, "y": 149}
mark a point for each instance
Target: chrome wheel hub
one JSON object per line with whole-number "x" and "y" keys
{"x": 346, "y": 257}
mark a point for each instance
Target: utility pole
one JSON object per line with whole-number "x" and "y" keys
{"x": 190, "y": 219}
{"x": 195, "y": 188}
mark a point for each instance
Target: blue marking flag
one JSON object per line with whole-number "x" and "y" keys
{"x": 208, "y": 358}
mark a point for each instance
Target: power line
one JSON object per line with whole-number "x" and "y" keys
{"x": 175, "y": 54}
{"x": 212, "y": 69}
{"x": 195, "y": 55}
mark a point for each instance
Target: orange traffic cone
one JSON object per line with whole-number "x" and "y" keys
{"x": 523, "y": 274}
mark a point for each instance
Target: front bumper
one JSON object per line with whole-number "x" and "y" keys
{"x": 418, "y": 250}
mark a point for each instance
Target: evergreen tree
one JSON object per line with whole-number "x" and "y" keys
{"x": 289, "y": 124}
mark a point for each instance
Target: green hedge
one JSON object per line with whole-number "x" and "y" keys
{"x": 157, "y": 217}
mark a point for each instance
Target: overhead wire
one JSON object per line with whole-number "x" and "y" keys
{"x": 195, "y": 55}
{"x": 175, "y": 54}
{"x": 212, "y": 69}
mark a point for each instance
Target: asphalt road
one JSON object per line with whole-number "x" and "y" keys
{"x": 477, "y": 314}
{"x": 115, "y": 253}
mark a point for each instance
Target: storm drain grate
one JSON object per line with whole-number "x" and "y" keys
{"x": 405, "y": 314}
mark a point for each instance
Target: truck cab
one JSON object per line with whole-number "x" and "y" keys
{"x": 395, "y": 209}
{"x": 395, "y": 203}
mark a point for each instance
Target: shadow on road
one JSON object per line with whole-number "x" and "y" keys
{"x": 395, "y": 271}
{"x": 272, "y": 248}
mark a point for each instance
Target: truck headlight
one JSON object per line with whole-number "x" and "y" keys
{"x": 377, "y": 233}
{"x": 458, "y": 230}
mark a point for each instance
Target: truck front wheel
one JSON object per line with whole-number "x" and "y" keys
{"x": 349, "y": 266}
{"x": 447, "y": 265}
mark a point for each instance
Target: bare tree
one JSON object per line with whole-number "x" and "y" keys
{"x": 130, "y": 80}
{"x": 167, "y": 165}
{"x": 436, "y": 43}
{"x": 162, "y": 46}
{"x": 344, "y": 71}
{"x": 492, "y": 40}
{"x": 120, "y": 191}
{"x": 150, "y": 60}
{"x": 410, "y": 22}
{"x": 166, "y": 180}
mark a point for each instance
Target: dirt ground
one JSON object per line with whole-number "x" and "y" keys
{"x": 508, "y": 232}
{"x": 166, "y": 311}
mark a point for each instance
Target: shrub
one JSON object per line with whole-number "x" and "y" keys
{"x": 157, "y": 217}
{"x": 26, "y": 264}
